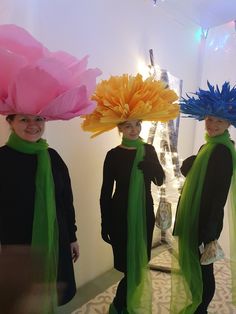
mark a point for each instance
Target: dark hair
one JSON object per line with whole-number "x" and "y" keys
{"x": 10, "y": 117}
{"x": 122, "y": 123}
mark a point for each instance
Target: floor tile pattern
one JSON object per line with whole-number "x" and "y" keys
{"x": 221, "y": 303}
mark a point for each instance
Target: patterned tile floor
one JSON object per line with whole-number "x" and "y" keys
{"x": 221, "y": 303}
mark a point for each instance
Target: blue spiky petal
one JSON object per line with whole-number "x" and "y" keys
{"x": 212, "y": 102}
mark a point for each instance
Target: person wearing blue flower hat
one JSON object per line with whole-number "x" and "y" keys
{"x": 210, "y": 175}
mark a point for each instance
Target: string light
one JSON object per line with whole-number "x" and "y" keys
{"x": 155, "y": 2}
{"x": 205, "y": 32}
{"x": 163, "y": 136}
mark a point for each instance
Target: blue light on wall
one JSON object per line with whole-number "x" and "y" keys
{"x": 198, "y": 34}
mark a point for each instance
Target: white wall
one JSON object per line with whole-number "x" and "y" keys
{"x": 117, "y": 35}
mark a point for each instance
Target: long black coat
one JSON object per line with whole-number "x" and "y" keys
{"x": 214, "y": 194}
{"x": 116, "y": 171}
{"x": 17, "y": 190}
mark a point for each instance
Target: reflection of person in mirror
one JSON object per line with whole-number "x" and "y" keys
{"x": 200, "y": 212}
{"x": 127, "y": 216}
{"x": 114, "y": 205}
{"x": 36, "y": 201}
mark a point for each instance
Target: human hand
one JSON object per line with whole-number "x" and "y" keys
{"x": 74, "y": 246}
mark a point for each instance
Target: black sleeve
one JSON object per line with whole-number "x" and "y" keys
{"x": 70, "y": 210}
{"x": 215, "y": 192}
{"x": 107, "y": 189}
{"x": 158, "y": 174}
{"x": 187, "y": 164}
{"x": 64, "y": 193}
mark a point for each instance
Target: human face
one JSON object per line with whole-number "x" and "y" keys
{"x": 215, "y": 126}
{"x": 28, "y": 127}
{"x": 130, "y": 129}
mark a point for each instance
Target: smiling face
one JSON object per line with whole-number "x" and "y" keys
{"x": 28, "y": 127}
{"x": 215, "y": 126}
{"x": 130, "y": 129}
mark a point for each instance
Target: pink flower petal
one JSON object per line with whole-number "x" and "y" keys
{"x": 10, "y": 64}
{"x": 32, "y": 89}
{"x": 34, "y": 80}
{"x": 73, "y": 102}
{"x": 19, "y": 41}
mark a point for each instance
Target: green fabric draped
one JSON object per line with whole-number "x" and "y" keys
{"x": 139, "y": 293}
{"x": 186, "y": 285}
{"x": 45, "y": 228}
{"x": 113, "y": 310}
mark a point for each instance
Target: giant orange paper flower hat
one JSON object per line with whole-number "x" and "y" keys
{"x": 127, "y": 97}
{"x": 34, "y": 80}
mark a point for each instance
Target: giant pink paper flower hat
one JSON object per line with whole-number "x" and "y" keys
{"x": 34, "y": 80}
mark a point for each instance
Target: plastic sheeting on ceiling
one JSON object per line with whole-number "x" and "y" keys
{"x": 206, "y": 13}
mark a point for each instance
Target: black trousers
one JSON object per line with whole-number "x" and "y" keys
{"x": 208, "y": 280}
{"x": 121, "y": 292}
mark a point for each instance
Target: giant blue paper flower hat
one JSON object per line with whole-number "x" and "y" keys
{"x": 212, "y": 102}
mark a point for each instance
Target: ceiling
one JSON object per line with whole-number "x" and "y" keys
{"x": 206, "y": 13}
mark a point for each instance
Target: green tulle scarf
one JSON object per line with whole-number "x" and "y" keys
{"x": 186, "y": 285}
{"x": 139, "y": 290}
{"x": 45, "y": 228}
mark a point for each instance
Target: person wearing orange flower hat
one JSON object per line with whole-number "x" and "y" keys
{"x": 36, "y": 199}
{"x": 127, "y": 216}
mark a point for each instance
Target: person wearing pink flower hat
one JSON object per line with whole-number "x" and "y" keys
{"x": 36, "y": 201}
